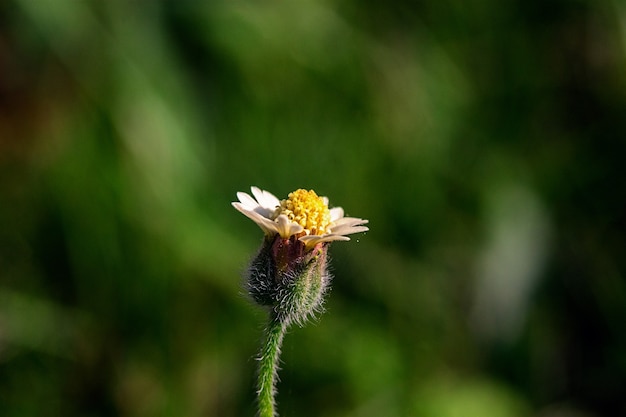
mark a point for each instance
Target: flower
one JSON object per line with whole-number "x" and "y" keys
{"x": 303, "y": 215}
{"x": 290, "y": 272}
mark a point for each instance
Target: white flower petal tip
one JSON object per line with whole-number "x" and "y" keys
{"x": 336, "y": 213}
{"x": 303, "y": 214}
{"x": 265, "y": 198}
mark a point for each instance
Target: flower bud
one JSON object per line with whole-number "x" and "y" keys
{"x": 289, "y": 277}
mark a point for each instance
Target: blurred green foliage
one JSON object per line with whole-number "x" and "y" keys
{"x": 485, "y": 141}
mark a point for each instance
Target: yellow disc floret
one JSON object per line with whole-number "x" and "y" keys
{"x": 307, "y": 209}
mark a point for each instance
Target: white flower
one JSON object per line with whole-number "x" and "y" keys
{"x": 304, "y": 215}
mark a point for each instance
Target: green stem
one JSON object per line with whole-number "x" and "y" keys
{"x": 268, "y": 367}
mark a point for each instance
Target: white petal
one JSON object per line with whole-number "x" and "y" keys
{"x": 247, "y": 201}
{"x": 313, "y": 240}
{"x": 325, "y": 200}
{"x": 265, "y": 212}
{"x": 271, "y": 199}
{"x": 265, "y": 198}
{"x": 258, "y": 194}
{"x": 336, "y": 213}
{"x": 351, "y": 221}
{"x": 331, "y": 238}
{"x": 348, "y": 230}
{"x": 268, "y": 226}
{"x": 286, "y": 227}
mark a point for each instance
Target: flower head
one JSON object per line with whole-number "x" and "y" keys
{"x": 303, "y": 214}
{"x": 290, "y": 272}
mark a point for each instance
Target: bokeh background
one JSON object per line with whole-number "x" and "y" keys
{"x": 484, "y": 140}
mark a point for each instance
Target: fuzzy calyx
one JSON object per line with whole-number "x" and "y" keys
{"x": 289, "y": 278}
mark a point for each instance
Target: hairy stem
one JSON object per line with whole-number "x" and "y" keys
{"x": 268, "y": 367}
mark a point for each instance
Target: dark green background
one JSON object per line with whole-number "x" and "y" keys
{"x": 484, "y": 141}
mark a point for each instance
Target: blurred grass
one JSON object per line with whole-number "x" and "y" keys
{"x": 483, "y": 141}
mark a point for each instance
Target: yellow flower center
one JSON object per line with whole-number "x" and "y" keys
{"x": 307, "y": 209}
